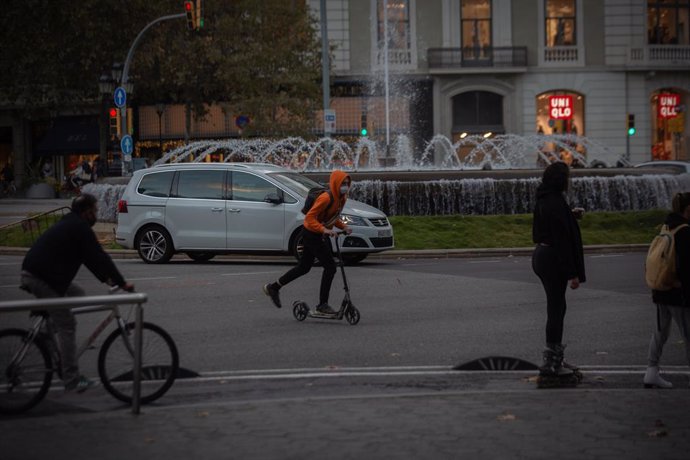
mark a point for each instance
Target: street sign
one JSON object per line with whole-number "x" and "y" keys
{"x": 120, "y": 97}
{"x": 127, "y": 144}
{"x": 329, "y": 121}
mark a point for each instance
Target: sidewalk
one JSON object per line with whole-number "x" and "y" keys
{"x": 492, "y": 415}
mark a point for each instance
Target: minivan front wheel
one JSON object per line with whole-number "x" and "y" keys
{"x": 154, "y": 245}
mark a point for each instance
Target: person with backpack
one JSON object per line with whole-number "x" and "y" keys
{"x": 672, "y": 299}
{"x": 319, "y": 220}
{"x": 558, "y": 261}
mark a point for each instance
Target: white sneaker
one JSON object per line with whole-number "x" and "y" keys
{"x": 652, "y": 379}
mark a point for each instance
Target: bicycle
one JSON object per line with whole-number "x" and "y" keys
{"x": 28, "y": 359}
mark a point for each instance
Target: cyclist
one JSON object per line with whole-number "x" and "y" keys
{"x": 318, "y": 226}
{"x": 50, "y": 267}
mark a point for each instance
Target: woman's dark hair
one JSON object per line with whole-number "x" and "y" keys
{"x": 83, "y": 203}
{"x": 556, "y": 176}
{"x": 680, "y": 201}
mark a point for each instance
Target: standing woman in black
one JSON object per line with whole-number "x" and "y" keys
{"x": 558, "y": 259}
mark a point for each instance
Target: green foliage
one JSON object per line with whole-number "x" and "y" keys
{"x": 260, "y": 57}
{"x": 513, "y": 231}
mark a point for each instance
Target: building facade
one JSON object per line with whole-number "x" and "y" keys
{"x": 458, "y": 67}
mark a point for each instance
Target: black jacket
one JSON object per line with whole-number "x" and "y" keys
{"x": 555, "y": 226}
{"x": 57, "y": 255}
{"x": 679, "y": 297}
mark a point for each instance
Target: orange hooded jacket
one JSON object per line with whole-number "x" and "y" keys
{"x": 321, "y": 216}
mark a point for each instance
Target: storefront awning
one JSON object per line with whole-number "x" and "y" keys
{"x": 70, "y": 135}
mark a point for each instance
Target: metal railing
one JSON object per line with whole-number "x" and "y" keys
{"x": 485, "y": 56}
{"x": 91, "y": 304}
{"x": 31, "y": 228}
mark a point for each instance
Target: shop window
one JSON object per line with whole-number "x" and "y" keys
{"x": 668, "y": 125}
{"x": 476, "y": 29}
{"x": 667, "y": 22}
{"x": 560, "y": 23}
{"x": 561, "y": 113}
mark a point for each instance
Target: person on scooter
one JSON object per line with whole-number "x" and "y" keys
{"x": 318, "y": 227}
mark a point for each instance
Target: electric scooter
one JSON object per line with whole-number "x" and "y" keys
{"x": 301, "y": 310}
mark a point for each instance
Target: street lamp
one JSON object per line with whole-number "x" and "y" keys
{"x": 160, "y": 110}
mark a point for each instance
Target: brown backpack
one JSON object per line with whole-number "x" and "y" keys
{"x": 660, "y": 265}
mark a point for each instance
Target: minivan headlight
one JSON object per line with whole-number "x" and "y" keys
{"x": 353, "y": 220}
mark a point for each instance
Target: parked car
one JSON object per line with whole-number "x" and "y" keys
{"x": 669, "y": 165}
{"x": 204, "y": 209}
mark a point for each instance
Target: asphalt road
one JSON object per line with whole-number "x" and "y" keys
{"x": 417, "y": 312}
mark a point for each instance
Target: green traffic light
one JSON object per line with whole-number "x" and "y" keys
{"x": 364, "y": 132}
{"x": 631, "y": 131}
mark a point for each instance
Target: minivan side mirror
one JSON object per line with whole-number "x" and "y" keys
{"x": 273, "y": 198}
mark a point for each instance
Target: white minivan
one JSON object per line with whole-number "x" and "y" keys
{"x": 204, "y": 209}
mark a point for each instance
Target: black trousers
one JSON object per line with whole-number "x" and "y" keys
{"x": 545, "y": 265}
{"x": 315, "y": 247}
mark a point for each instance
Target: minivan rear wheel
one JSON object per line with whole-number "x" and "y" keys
{"x": 154, "y": 245}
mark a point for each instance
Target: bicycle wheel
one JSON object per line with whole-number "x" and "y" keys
{"x": 25, "y": 371}
{"x": 159, "y": 363}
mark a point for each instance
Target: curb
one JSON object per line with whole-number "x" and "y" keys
{"x": 393, "y": 254}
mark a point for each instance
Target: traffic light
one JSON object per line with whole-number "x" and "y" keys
{"x": 631, "y": 124}
{"x": 363, "y": 127}
{"x": 190, "y": 11}
{"x": 114, "y": 122}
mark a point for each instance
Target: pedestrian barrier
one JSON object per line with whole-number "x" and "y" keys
{"x": 25, "y": 232}
{"x": 87, "y": 304}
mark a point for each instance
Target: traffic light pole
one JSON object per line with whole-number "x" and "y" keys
{"x": 125, "y": 75}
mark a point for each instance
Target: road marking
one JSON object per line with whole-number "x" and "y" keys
{"x": 249, "y": 273}
{"x": 488, "y": 261}
{"x": 153, "y": 278}
{"x": 10, "y": 263}
{"x": 606, "y": 256}
{"x": 272, "y": 374}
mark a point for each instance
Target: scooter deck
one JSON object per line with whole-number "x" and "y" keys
{"x": 552, "y": 381}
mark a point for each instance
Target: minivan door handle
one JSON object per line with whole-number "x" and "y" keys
{"x": 234, "y": 210}
{"x": 216, "y": 209}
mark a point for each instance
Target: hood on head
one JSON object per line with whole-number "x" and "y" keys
{"x": 336, "y": 180}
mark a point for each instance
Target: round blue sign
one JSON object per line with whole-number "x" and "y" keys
{"x": 241, "y": 121}
{"x": 127, "y": 144}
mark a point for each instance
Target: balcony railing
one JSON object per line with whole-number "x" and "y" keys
{"x": 469, "y": 57}
{"x": 673, "y": 55}
{"x": 560, "y": 54}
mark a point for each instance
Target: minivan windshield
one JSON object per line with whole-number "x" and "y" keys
{"x": 295, "y": 181}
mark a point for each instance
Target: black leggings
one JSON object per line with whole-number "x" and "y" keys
{"x": 545, "y": 265}
{"x": 314, "y": 247}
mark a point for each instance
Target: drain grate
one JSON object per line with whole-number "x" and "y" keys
{"x": 497, "y": 363}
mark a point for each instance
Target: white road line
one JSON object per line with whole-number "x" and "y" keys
{"x": 153, "y": 278}
{"x": 273, "y": 374}
{"x": 249, "y": 273}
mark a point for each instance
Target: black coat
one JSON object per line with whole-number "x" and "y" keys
{"x": 679, "y": 297}
{"x": 555, "y": 226}
{"x": 57, "y": 255}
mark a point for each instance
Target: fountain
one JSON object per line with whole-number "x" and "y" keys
{"x": 492, "y": 176}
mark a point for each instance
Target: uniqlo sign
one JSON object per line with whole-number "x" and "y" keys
{"x": 561, "y": 107}
{"x": 667, "y": 105}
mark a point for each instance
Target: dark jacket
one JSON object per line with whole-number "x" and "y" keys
{"x": 57, "y": 255}
{"x": 554, "y": 225}
{"x": 679, "y": 297}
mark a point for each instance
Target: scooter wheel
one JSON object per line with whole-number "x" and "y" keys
{"x": 300, "y": 310}
{"x": 352, "y": 315}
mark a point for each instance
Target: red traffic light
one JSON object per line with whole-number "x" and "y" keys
{"x": 113, "y": 113}
{"x": 188, "y": 6}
